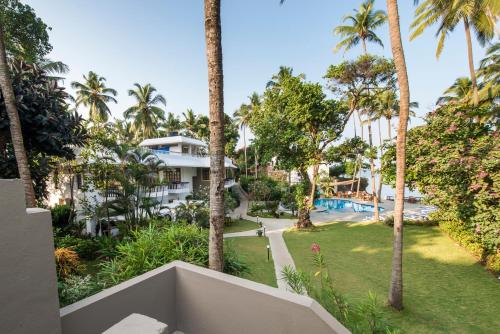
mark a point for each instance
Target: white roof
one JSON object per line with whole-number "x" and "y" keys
{"x": 172, "y": 140}
{"x": 186, "y": 160}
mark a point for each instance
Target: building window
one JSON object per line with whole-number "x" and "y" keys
{"x": 185, "y": 149}
{"x": 173, "y": 175}
{"x": 205, "y": 174}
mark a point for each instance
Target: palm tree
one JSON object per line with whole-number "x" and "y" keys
{"x": 145, "y": 113}
{"x": 396, "y": 287}
{"x": 242, "y": 117}
{"x": 448, "y": 14}
{"x": 94, "y": 95}
{"x": 15, "y": 125}
{"x": 172, "y": 123}
{"x": 124, "y": 131}
{"x": 190, "y": 122}
{"x": 363, "y": 23}
{"x": 460, "y": 91}
{"x": 388, "y": 107}
{"x": 489, "y": 72}
{"x": 216, "y": 113}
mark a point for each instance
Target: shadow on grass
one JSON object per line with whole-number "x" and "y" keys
{"x": 445, "y": 289}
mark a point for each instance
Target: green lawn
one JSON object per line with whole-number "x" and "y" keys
{"x": 240, "y": 225}
{"x": 253, "y": 252}
{"x": 445, "y": 290}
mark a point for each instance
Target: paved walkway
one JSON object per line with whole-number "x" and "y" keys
{"x": 274, "y": 231}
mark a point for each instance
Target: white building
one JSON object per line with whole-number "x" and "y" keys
{"x": 188, "y": 169}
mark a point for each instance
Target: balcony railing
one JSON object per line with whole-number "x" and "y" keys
{"x": 199, "y": 154}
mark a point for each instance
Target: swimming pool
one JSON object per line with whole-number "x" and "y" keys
{"x": 335, "y": 204}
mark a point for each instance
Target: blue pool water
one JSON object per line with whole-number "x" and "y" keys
{"x": 335, "y": 204}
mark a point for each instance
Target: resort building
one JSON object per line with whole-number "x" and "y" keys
{"x": 187, "y": 169}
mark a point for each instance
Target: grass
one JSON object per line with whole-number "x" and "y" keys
{"x": 253, "y": 252}
{"x": 240, "y": 225}
{"x": 445, "y": 289}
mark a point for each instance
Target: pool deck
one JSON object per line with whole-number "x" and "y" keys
{"x": 321, "y": 215}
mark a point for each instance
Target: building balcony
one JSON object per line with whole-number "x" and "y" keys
{"x": 190, "y": 299}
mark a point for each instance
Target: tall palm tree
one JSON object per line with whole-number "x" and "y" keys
{"x": 396, "y": 287}
{"x": 172, "y": 123}
{"x": 145, "y": 113}
{"x": 460, "y": 91}
{"x": 216, "y": 112}
{"x": 190, "y": 122}
{"x": 489, "y": 72}
{"x": 16, "y": 132}
{"x": 94, "y": 94}
{"x": 242, "y": 117}
{"x": 388, "y": 107}
{"x": 448, "y": 14}
{"x": 361, "y": 28}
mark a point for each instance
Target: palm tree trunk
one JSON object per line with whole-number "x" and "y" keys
{"x": 389, "y": 129}
{"x": 372, "y": 172}
{"x": 475, "y": 93}
{"x": 395, "y": 297}
{"x": 363, "y": 41}
{"x": 360, "y": 158}
{"x": 354, "y": 173}
{"x": 245, "y": 150}
{"x": 379, "y": 194}
{"x": 216, "y": 112}
{"x": 313, "y": 183}
{"x": 15, "y": 126}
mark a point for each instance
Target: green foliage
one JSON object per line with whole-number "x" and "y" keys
{"x": 154, "y": 246}
{"x": 365, "y": 317}
{"x": 60, "y": 215}
{"x": 389, "y": 221}
{"x": 49, "y": 129}
{"x": 25, "y": 35}
{"x": 455, "y": 161}
{"x": 75, "y": 288}
{"x": 86, "y": 248}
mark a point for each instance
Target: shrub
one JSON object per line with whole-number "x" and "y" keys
{"x": 155, "y": 246}
{"x": 366, "y": 317}
{"x": 60, "y": 215}
{"x": 67, "y": 262}
{"x": 86, "y": 247}
{"x": 75, "y": 288}
{"x": 389, "y": 221}
{"x": 256, "y": 207}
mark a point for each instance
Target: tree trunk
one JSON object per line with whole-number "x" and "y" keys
{"x": 15, "y": 126}
{"x": 475, "y": 93}
{"x": 379, "y": 194}
{"x": 304, "y": 218}
{"x": 313, "y": 184}
{"x": 396, "y": 287}
{"x": 360, "y": 158}
{"x": 389, "y": 129}
{"x": 354, "y": 173}
{"x": 216, "y": 113}
{"x": 245, "y": 150}
{"x": 372, "y": 172}
{"x": 256, "y": 162}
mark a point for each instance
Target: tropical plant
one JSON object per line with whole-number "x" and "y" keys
{"x": 145, "y": 114}
{"x": 74, "y": 288}
{"x": 190, "y": 122}
{"x": 50, "y": 131}
{"x": 242, "y": 118}
{"x": 478, "y": 14}
{"x": 459, "y": 92}
{"x": 67, "y": 262}
{"x": 124, "y": 131}
{"x": 216, "y": 113}
{"x": 489, "y": 72}
{"x": 171, "y": 124}
{"x": 94, "y": 95}
{"x": 396, "y": 286}
{"x": 363, "y": 23}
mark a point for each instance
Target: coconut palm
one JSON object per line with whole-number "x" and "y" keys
{"x": 172, "y": 123}
{"x": 190, "y": 122}
{"x": 216, "y": 113}
{"x": 242, "y": 117}
{"x": 448, "y": 14}
{"x": 388, "y": 108}
{"x": 395, "y": 297}
{"x": 94, "y": 94}
{"x": 489, "y": 72}
{"x": 145, "y": 114}
{"x": 361, "y": 28}
{"x": 460, "y": 91}
{"x": 15, "y": 125}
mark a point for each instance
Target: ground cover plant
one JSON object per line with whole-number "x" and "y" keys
{"x": 446, "y": 290}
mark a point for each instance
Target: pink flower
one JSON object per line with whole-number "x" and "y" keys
{"x": 482, "y": 174}
{"x": 435, "y": 143}
{"x": 459, "y": 114}
{"x": 433, "y": 161}
{"x": 452, "y": 128}
{"x": 315, "y": 248}
{"x": 475, "y": 187}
